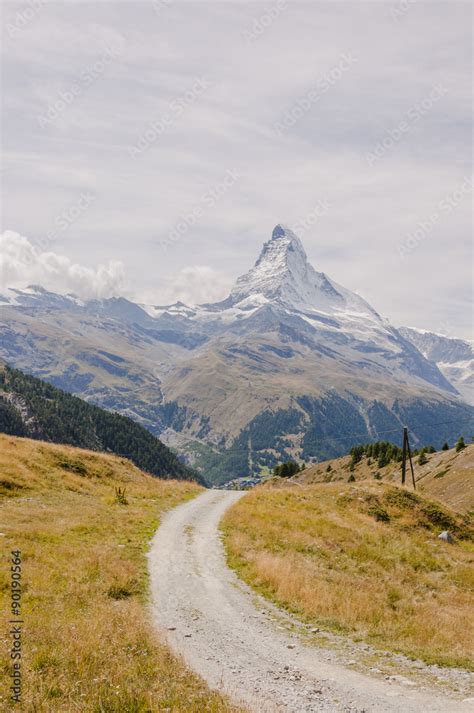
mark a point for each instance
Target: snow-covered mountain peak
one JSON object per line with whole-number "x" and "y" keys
{"x": 284, "y": 234}
{"x": 283, "y": 251}
{"x": 282, "y": 274}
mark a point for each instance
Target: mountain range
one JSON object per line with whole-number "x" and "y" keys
{"x": 290, "y": 365}
{"x": 453, "y": 357}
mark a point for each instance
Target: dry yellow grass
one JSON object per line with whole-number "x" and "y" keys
{"x": 88, "y": 644}
{"x": 361, "y": 559}
{"x": 447, "y": 476}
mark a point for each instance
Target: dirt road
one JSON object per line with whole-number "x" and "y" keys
{"x": 232, "y": 638}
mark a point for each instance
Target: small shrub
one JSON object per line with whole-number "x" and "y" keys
{"x": 394, "y": 597}
{"x": 351, "y": 478}
{"x": 73, "y": 465}
{"x": 123, "y": 591}
{"x": 460, "y": 444}
{"x": 401, "y": 498}
{"x": 9, "y": 486}
{"x": 422, "y": 458}
{"x": 377, "y": 511}
{"x": 120, "y": 496}
{"x": 329, "y": 468}
{"x": 445, "y": 447}
{"x": 438, "y": 517}
{"x": 377, "y": 475}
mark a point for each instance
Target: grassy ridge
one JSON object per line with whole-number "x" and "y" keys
{"x": 364, "y": 560}
{"x": 88, "y": 642}
{"x": 31, "y": 407}
{"x": 447, "y": 476}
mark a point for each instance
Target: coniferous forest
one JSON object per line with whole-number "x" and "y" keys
{"x": 33, "y": 408}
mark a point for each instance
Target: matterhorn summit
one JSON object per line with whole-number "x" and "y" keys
{"x": 283, "y": 274}
{"x": 290, "y": 364}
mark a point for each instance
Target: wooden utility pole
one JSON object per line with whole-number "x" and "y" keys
{"x": 404, "y": 454}
{"x": 406, "y": 450}
{"x": 411, "y": 464}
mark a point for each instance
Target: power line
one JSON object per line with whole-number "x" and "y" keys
{"x": 391, "y": 430}
{"x": 378, "y": 433}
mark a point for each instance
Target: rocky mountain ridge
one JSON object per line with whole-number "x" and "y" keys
{"x": 291, "y": 364}
{"x": 453, "y": 357}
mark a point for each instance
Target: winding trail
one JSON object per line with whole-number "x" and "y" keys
{"x": 217, "y": 624}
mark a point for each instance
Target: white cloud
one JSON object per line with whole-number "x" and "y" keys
{"x": 192, "y": 285}
{"x": 22, "y": 264}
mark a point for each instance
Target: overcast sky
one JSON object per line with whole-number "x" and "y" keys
{"x": 164, "y": 140}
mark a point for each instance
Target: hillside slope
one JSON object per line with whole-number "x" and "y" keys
{"x": 88, "y": 642}
{"x": 362, "y": 559}
{"x": 447, "y": 476}
{"x": 31, "y": 407}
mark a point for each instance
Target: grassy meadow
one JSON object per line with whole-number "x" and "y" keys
{"x": 447, "y": 476}
{"x": 88, "y": 644}
{"x": 362, "y": 559}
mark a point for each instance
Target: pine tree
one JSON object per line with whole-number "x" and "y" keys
{"x": 422, "y": 459}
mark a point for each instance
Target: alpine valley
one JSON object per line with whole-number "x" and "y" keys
{"x": 290, "y": 365}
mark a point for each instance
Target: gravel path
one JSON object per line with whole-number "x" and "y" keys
{"x": 227, "y": 635}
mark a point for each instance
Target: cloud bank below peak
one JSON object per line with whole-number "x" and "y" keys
{"x": 22, "y": 264}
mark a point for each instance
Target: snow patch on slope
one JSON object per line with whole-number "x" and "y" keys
{"x": 453, "y": 357}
